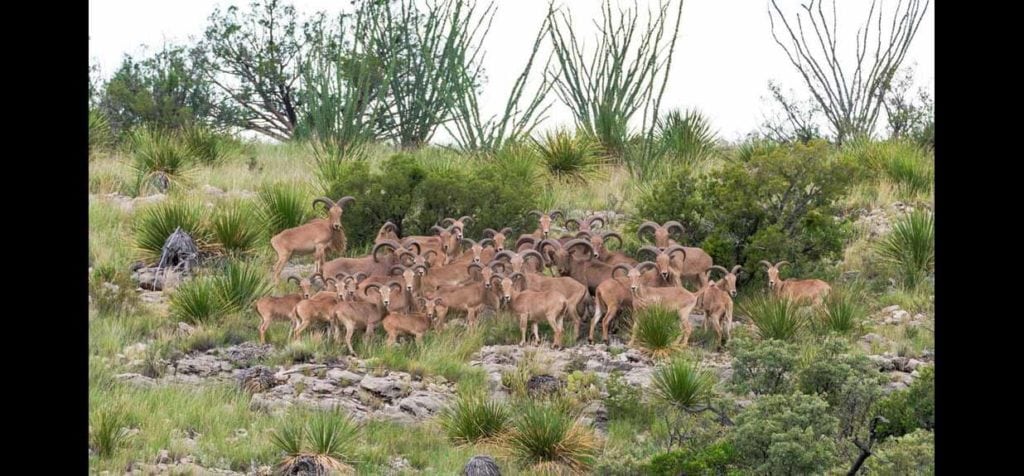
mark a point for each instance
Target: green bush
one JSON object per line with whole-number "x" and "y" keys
{"x": 687, "y": 137}
{"x": 843, "y": 311}
{"x": 197, "y": 300}
{"x": 786, "y": 434}
{"x": 160, "y": 159}
{"x": 471, "y": 420}
{"x": 910, "y": 409}
{"x": 100, "y": 135}
{"x": 716, "y": 458}
{"x": 656, "y": 329}
{"x": 624, "y": 402}
{"x": 283, "y": 206}
{"x": 572, "y": 157}
{"x": 913, "y": 453}
{"x": 849, "y": 382}
{"x": 108, "y": 431}
{"x": 909, "y": 249}
{"x": 775, "y": 317}
{"x": 545, "y": 433}
{"x": 772, "y": 202}
{"x": 208, "y": 147}
{"x": 765, "y": 367}
{"x": 154, "y": 224}
{"x": 236, "y": 228}
{"x": 683, "y": 384}
{"x": 327, "y": 437}
{"x": 240, "y": 285}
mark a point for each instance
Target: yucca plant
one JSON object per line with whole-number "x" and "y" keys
{"x": 911, "y": 172}
{"x": 470, "y": 420}
{"x": 236, "y": 228}
{"x": 206, "y": 146}
{"x": 842, "y": 311}
{"x": 545, "y": 434}
{"x": 322, "y": 445}
{"x": 101, "y": 136}
{"x": 154, "y": 224}
{"x": 683, "y": 384}
{"x": 108, "y": 431}
{"x": 910, "y": 248}
{"x": 240, "y": 285}
{"x": 160, "y": 159}
{"x": 197, "y": 300}
{"x": 774, "y": 317}
{"x": 282, "y": 206}
{"x": 572, "y": 157}
{"x": 687, "y": 137}
{"x": 656, "y": 329}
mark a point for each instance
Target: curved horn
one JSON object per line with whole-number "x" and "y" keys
{"x": 526, "y": 239}
{"x": 359, "y": 276}
{"x": 490, "y": 232}
{"x": 578, "y": 242}
{"x": 575, "y": 221}
{"x": 612, "y": 234}
{"x": 395, "y": 285}
{"x": 374, "y": 286}
{"x": 384, "y": 244}
{"x": 492, "y": 264}
{"x": 466, "y": 219}
{"x": 388, "y": 225}
{"x": 593, "y": 218}
{"x": 448, "y": 221}
{"x": 437, "y": 229}
{"x": 549, "y": 242}
{"x": 470, "y": 266}
{"x": 669, "y": 225}
{"x": 527, "y": 253}
{"x": 646, "y": 264}
{"x": 651, "y": 249}
{"x": 766, "y": 263}
{"x": 400, "y": 268}
{"x": 328, "y": 203}
{"x": 780, "y": 263}
{"x": 486, "y": 242}
{"x": 468, "y": 241}
{"x": 536, "y": 213}
{"x": 415, "y": 243}
{"x": 584, "y": 233}
{"x": 736, "y": 268}
{"x": 499, "y": 281}
{"x": 296, "y": 278}
{"x": 316, "y": 275}
{"x": 647, "y": 225}
{"x": 715, "y": 266}
{"x": 552, "y": 214}
{"x": 428, "y": 254}
{"x": 505, "y": 253}
{"x": 506, "y": 231}
{"x": 621, "y": 266}
{"x": 331, "y": 281}
{"x": 345, "y": 200}
{"x": 341, "y": 276}
{"x": 675, "y": 248}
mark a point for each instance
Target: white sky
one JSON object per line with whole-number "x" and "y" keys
{"x": 723, "y": 61}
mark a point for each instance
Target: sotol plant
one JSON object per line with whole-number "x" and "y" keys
{"x": 910, "y": 248}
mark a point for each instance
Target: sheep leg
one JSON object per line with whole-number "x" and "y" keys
{"x": 728, "y": 321}
{"x": 419, "y": 338}
{"x": 282, "y": 259}
{"x": 349, "y": 330}
{"x": 613, "y": 309}
{"x": 684, "y": 322}
{"x": 263, "y": 330}
{"x": 536, "y": 334}
{"x": 392, "y": 338}
{"x": 714, "y": 317}
{"x": 321, "y": 253}
{"x": 595, "y": 319}
{"x": 471, "y": 316}
{"x": 556, "y": 323}
{"x": 522, "y": 329}
{"x": 298, "y": 330}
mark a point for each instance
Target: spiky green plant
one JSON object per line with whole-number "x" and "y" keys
{"x": 206, "y": 146}
{"x": 683, "y": 384}
{"x": 687, "y": 137}
{"x": 236, "y": 228}
{"x": 325, "y": 441}
{"x": 108, "y": 431}
{"x": 240, "y": 285}
{"x": 910, "y": 248}
{"x": 197, "y": 300}
{"x": 568, "y": 156}
{"x": 656, "y": 329}
{"x": 160, "y": 159}
{"x": 470, "y": 420}
{"x": 842, "y": 311}
{"x": 774, "y": 317}
{"x": 154, "y": 224}
{"x": 545, "y": 433}
{"x": 283, "y": 206}
{"x": 911, "y": 173}
{"x": 100, "y": 135}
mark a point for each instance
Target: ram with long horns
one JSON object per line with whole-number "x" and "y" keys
{"x": 696, "y": 263}
{"x": 317, "y": 236}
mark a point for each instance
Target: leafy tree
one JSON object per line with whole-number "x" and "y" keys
{"x": 786, "y": 434}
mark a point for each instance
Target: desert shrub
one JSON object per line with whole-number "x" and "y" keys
{"x": 197, "y": 300}
{"x": 154, "y": 224}
{"x": 909, "y": 409}
{"x": 207, "y": 146}
{"x": 108, "y": 431}
{"x": 686, "y": 137}
{"x": 786, "y": 434}
{"x": 160, "y": 159}
{"x": 849, "y": 382}
{"x": 775, "y": 317}
{"x": 909, "y": 249}
{"x": 283, "y": 206}
{"x": 656, "y": 329}
{"x": 572, "y": 157}
{"x": 716, "y": 458}
{"x": 240, "y": 285}
{"x": 913, "y": 453}
{"x": 236, "y": 228}
{"x": 843, "y": 311}
{"x": 683, "y": 384}
{"x": 100, "y": 135}
{"x": 771, "y": 202}
{"x": 765, "y": 368}
{"x": 624, "y": 402}
{"x": 471, "y": 420}
{"x": 326, "y": 438}
{"x": 544, "y": 433}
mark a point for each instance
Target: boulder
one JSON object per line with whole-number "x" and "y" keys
{"x": 386, "y": 387}
{"x": 481, "y": 465}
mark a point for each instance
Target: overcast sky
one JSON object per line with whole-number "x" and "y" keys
{"x": 724, "y": 57}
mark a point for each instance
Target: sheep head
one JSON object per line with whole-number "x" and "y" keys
{"x": 387, "y": 232}
{"x": 305, "y": 285}
{"x": 384, "y": 293}
{"x": 663, "y": 258}
{"x": 498, "y": 237}
{"x": 728, "y": 281}
{"x": 773, "y": 272}
{"x": 545, "y": 220}
{"x": 334, "y": 209}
